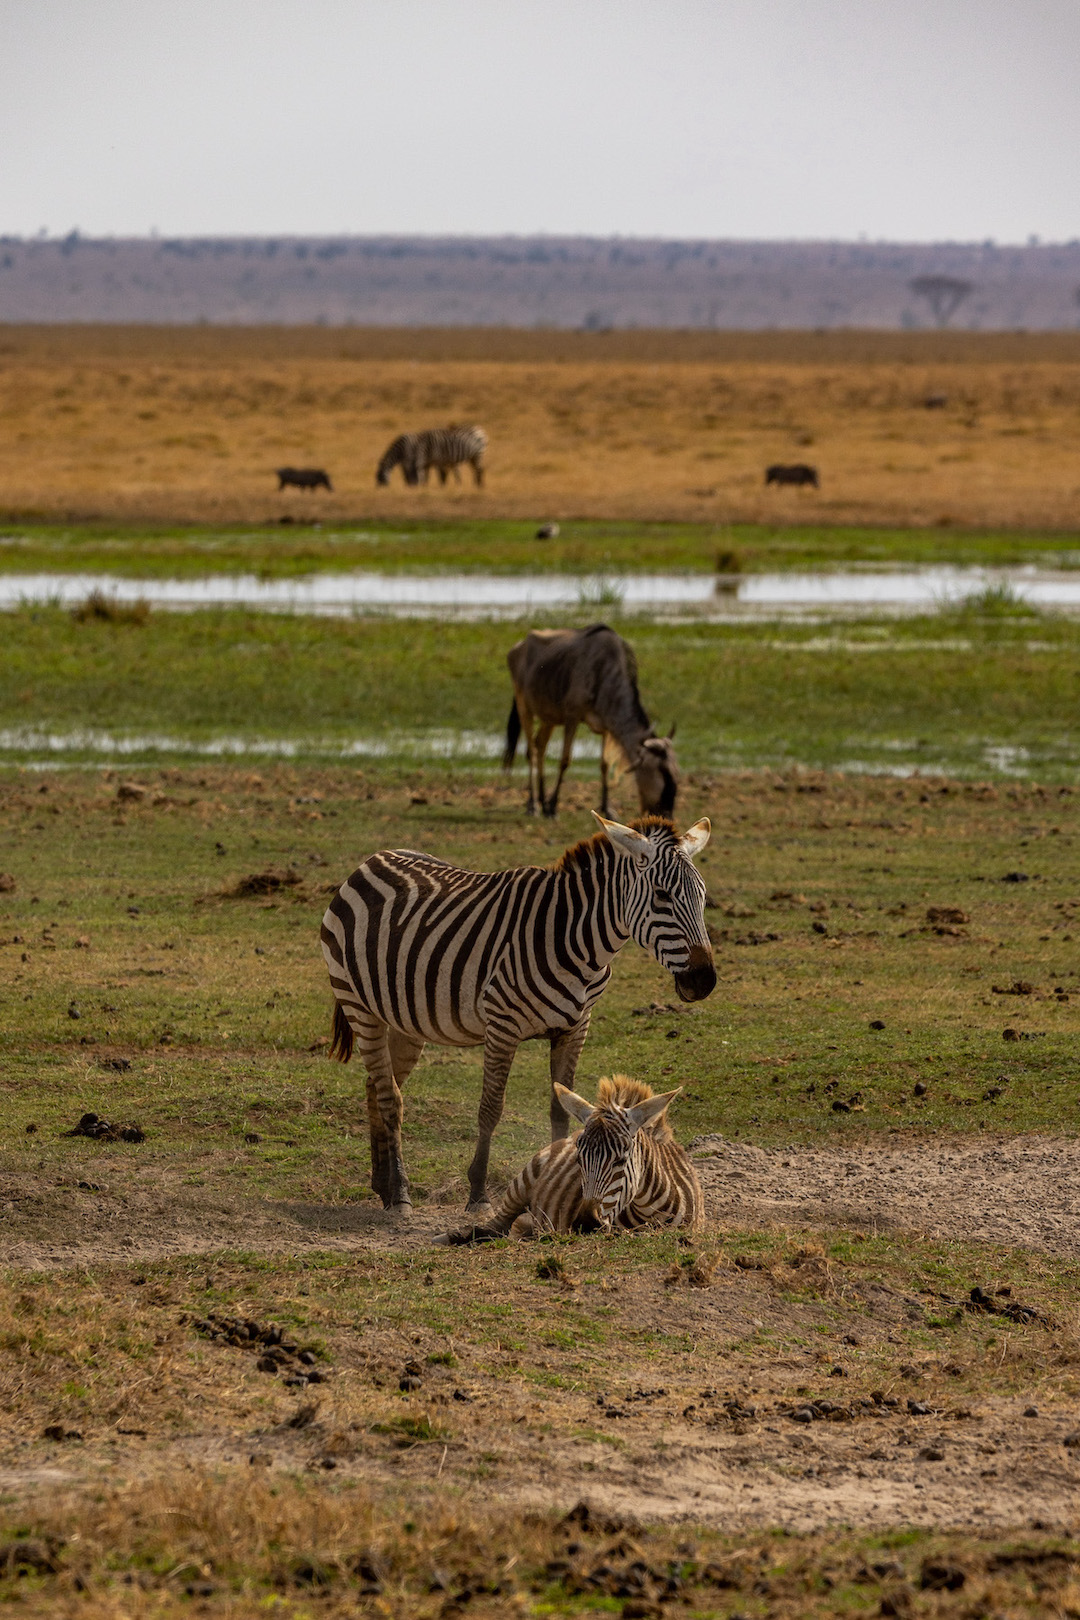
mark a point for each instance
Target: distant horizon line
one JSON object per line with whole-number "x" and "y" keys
{"x": 75, "y": 233}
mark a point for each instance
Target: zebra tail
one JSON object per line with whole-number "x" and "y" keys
{"x": 342, "y": 1044}
{"x": 513, "y": 732}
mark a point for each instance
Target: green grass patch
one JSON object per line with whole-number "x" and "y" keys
{"x": 505, "y": 546}
{"x": 972, "y": 693}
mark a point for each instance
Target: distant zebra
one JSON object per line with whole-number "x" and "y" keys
{"x": 442, "y": 448}
{"x": 418, "y": 951}
{"x": 624, "y": 1169}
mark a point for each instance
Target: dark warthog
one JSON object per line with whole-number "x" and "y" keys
{"x": 797, "y": 473}
{"x": 303, "y": 478}
{"x": 572, "y": 677}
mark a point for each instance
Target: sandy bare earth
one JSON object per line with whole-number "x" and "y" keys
{"x": 1019, "y": 1192}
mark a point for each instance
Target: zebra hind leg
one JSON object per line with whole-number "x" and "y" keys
{"x": 499, "y": 1049}
{"x": 388, "y": 1177}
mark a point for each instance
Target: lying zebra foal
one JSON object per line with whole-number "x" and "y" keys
{"x": 624, "y": 1169}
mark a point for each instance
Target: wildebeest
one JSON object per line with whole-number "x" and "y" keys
{"x": 569, "y": 677}
{"x": 548, "y": 531}
{"x": 445, "y": 449}
{"x": 303, "y": 478}
{"x": 796, "y": 473}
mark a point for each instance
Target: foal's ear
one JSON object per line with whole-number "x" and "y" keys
{"x": 628, "y": 841}
{"x": 643, "y": 1113}
{"x": 695, "y": 838}
{"x": 575, "y": 1105}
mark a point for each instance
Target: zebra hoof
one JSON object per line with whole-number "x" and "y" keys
{"x": 478, "y": 1213}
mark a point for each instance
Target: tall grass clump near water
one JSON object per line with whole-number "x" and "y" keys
{"x": 600, "y": 593}
{"x": 98, "y": 606}
{"x": 998, "y": 601}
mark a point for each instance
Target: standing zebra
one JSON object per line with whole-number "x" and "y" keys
{"x": 624, "y": 1169}
{"x": 420, "y": 951}
{"x": 442, "y": 448}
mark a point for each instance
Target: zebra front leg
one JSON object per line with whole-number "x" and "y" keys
{"x": 388, "y": 1176}
{"x": 499, "y": 1048}
{"x": 565, "y": 1051}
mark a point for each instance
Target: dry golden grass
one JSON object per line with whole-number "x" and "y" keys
{"x": 187, "y": 424}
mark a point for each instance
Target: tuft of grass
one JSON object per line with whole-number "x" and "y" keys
{"x": 997, "y": 601}
{"x": 417, "y": 1430}
{"x": 99, "y": 606}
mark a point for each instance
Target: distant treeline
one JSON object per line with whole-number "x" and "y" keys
{"x": 566, "y": 282}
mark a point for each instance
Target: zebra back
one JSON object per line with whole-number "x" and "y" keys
{"x": 450, "y": 446}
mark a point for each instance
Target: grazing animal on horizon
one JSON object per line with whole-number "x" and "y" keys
{"x": 418, "y": 950}
{"x": 624, "y": 1169}
{"x": 303, "y": 478}
{"x": 572, "y": 677}
{"x": 548, "y": 531}
{"x": 798, "y": 472}
{"x": 445, "y": 449}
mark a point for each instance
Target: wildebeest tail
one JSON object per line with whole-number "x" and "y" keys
{"x": 513, "y": 732}
{"x": 342, "y": 1044}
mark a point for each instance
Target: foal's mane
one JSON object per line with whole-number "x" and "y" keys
{"x": 618, "y": 1090}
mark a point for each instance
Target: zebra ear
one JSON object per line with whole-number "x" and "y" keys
{"x": 695, "y": 838}
{"x": 581, "y": 1110}
{"x": 627, "y": 841}
{"x": 643, "y": 1113}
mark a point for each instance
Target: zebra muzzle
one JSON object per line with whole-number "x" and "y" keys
{"x": 698, "y": 978}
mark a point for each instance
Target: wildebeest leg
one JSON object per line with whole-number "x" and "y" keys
{"x": 528, "y": 725}
{"x": 388, "y": 1176}
{"x": 605, "y": 766}
{"x": 565, "y": 1051}
{"x": 567, "y": 749}
{"x": 543, "y": 737}
{"x": 499, "y": 1048}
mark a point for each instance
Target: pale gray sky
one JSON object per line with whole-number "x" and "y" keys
{"x": 906, "y": 119}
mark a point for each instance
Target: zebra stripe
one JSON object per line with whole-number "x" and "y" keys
{"x": 445, "y": 449}
{"x": 624, "y": 1169}
{"x": 421, "y": 951}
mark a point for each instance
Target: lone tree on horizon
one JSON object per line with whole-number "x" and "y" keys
{"x": 944, "y": 294}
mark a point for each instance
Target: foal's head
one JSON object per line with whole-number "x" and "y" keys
{"x": 610, "y": 1149}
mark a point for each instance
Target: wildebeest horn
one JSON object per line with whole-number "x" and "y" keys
{"x": 671, "y": 733}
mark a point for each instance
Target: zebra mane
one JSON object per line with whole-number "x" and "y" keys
{"x": 580, "y": 854}
{"x": 619, "y": 1091}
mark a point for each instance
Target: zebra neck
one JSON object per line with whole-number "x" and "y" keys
{"x": 593, "y": 890}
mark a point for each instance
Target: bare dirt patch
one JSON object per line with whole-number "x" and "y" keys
{"x": 1017, "y": 1193}
{"x": 1021, "y": 1192}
